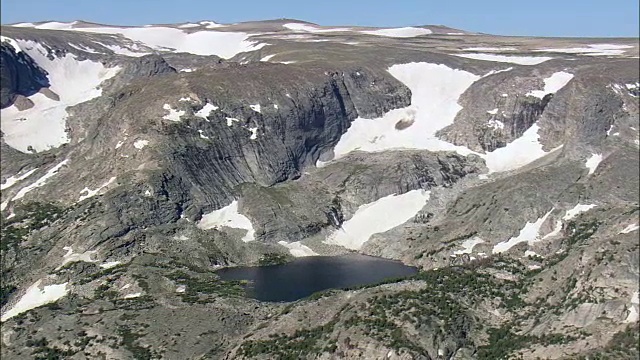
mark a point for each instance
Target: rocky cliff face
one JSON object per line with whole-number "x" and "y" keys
{"x": 322, "y": 199}
{"x": 263, "y": 133}
{"x": 20, "y": 76}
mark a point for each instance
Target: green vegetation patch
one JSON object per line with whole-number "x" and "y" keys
{"x": 272, "y": 259}
{"x": 198, "y": 288}
{"x": 29, "y": 217}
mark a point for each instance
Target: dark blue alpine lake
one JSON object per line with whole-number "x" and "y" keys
{"x": 304, "y": 276}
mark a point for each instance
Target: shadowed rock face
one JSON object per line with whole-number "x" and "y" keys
{"x": 146, "y": 66}
{"x": 19, "y": 75}
{"x": 303, "y": 113}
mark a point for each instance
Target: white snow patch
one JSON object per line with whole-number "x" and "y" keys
{"x": 110, "y": 264}
{"x": 609, "y": 131}
{"x": 206, "y": 42}
{"x": 255, "y": 107}
{"x": 630, "y": 228}
{"x": 633, "y": 309}
{"x": 117, "y": 49}
{"x": 254, "y": 133}
{"x": 173, "y": 115}
{"x": 24, "y": 24}
{"x": 4, "y": 205}
{"x": 140, "y": 144}
{"x": 591, "y": 50}
{"x": 70, "y": 256}
{"x": 206, "y": 110}
{"x": 529, "y": 234}
{"x": 14, "y": 44}
{"x": 530, "y": 253}
{"x": 181, "y": 288}
{"x": 534, "y": 267}
{"x": 119, "y": 144}
{"x": 230, "y": 217}
{"x": 517, "y": 153}
{"x": 275, "y": 106}
{"x": 379, "y": 216}
{"x": 132, "y": 296}
{"x": 41, "y": 181}
{"x": 493, "y": 72}
{"x": 84, "y": 48}
{"x": 435, "y": 90}
{"x": 468, "y": 245}
{"x": 187, "y": 70}
{"x": 497, "y": 49}
{"x": 43, "y": 126}
{"x": 125, "y": 287}
{"x": 35, "y": 297}
{"x": 188, "y": 25}
{"x": 576, "y": 210}
{"x": 55, "y": 25}
{"x": 403, "y": 32}
{"x": 552, "y": 84}
{"x": 593, "y": 162}
{"x": 268, "y": 57}
{"x": 495, "y": 124}
{"x": 492, "y": 112}
{"x": 12, "y": 180}
{"x": 90, "y": 193}
{"x": 311, "y": 29}
{"x": 297, "y": 249}
{"x": 520, "y": 60}
{"x": 211, "y": 24}
{"x": 202, "y": 135}
{"x": 230, "y": 121}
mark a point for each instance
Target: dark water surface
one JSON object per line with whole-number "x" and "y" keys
{"x": 304, "y": 276}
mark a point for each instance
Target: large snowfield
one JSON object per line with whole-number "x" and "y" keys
{"x": 224, "y": 44}
{"x": 43, "y": 126}
{"x": 435, "y": 90}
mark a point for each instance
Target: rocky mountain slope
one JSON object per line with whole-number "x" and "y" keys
{"x": 136, "y": 161}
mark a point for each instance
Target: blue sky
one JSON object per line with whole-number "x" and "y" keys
{"x": 504, "y": 17}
